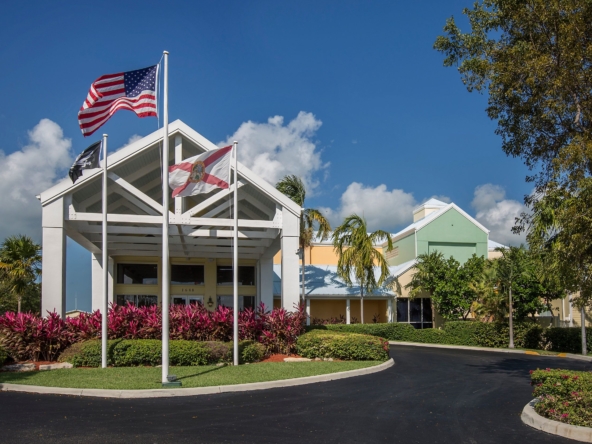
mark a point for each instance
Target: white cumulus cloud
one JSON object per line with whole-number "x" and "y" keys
{"x": 132, "y": 139}
{"x": 382, "y": 208}
{"x": 27, "y": 172}
{"x": 497, "y": 213}
{"x": 273, "y": 150}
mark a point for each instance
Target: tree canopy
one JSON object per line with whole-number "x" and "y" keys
{"x": 533, "y": 57}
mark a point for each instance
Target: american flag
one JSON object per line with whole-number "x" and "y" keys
{"x": 132, "y": 90}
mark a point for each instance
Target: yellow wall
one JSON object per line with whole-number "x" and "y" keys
{"x": 317, "y": 255}
{"x": 209, "y": 290}
{"x": 326, "y": 309}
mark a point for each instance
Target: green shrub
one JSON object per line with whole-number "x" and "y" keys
{"x": 391, "y": 332}
{"x": 341, "y": 345}
{"x": 136, "y": 352}
{"x": 251, "y": 351}
{"x": 3, "y": 356}
{"x": 567, "y": 339}
{"x": 564, "y": 395}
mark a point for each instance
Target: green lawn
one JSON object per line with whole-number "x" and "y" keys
{"x": 203, "y": 376}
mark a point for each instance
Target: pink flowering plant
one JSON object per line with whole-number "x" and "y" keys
{"x": 564, "y": 395}
{"x": 26, "y": 336}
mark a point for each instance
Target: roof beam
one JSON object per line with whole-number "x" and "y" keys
{"x": 122, "y": 183}
{"x": 211, "y": 200}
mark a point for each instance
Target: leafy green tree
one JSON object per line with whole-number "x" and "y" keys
{"x": 452, "y": 286}
{"x": 358, "y": 257}
{"x": 293, "y": 187}
{"x": 559, "y": 228}
{"x": 533, "y": 58}
{"x": 492, "y": 305}
{"x": 20, "y": 266}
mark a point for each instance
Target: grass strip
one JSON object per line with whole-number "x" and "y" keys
{"x": 134, "y": 378}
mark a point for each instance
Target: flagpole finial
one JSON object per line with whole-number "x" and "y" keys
{"x": 165, "y": 52}
{"x": 105, "y": 135}
{"x": 235, "y": 142}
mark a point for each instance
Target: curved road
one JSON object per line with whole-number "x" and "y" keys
{"x": 429, "y": 396}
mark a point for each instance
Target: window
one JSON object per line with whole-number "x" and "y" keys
{"x": 187, "y": 274}
{"x": 144, "y": 274}
{"x": 243, "y": 302}
{"x": 186, "y": 300}
{"x": 139, "y": 300}
{"x": 417, "y": 312}
{"x": 246, "y": 275}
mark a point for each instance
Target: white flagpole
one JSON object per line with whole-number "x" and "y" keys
{"x": 235, "y": 258}
{"x": 165, "y": 225}
{"x": 105, "y": 261}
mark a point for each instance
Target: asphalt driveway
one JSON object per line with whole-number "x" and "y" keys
{"x": 429, "y": 396}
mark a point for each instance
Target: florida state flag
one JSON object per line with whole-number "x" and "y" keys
{"x": 201, "y": 174}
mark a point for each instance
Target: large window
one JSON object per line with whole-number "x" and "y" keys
{"x": 246, "y": 275}
{"x": 144, "y": 274}
{"x": 139, "y": 300}
{"x": 187, "y": 274}
{"x": 417, "y": 312}
{"x": 243, "y": 302}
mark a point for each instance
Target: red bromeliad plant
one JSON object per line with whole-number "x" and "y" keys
{"x": 29, "y": 337}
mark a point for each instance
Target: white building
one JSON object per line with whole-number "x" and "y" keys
{"x": 200, "y": 232}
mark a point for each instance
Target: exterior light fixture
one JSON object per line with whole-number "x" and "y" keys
{"x": 210, "y": 302}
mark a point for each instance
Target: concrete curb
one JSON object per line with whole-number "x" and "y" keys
{"x": 164, "y": 393}
{"x": 493, "y": 350}
{"x": 531, "y": 418}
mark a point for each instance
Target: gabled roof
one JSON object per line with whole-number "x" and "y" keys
{"x": 416, "y": 226}
{"x": 323, "y": 281}
{"x": 136, "y": 148}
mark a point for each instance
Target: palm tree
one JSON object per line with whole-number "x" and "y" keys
{"x": 20, "y": 265}
{"x": 357, "y": 255}
{"x": 293, "y": 187}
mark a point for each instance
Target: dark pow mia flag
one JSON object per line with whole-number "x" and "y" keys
{"x": 88, "y": 159}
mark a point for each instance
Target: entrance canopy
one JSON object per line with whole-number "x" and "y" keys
{"x": 201, "y": 226}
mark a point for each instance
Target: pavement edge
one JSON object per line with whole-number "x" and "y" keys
{"x": 531, "y": 418}
{"x": 164, "y": 393}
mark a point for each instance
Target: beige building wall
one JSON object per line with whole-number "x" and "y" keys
{"x": 334, "y": 308}
{"x": 210, "y": 289}
{"x": 317, "y": 255}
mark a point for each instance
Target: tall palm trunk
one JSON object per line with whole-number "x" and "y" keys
{"x": 511, "y": 320}
{"x": 18, "y": 299}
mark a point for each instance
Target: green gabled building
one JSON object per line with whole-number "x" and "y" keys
{"x": 442, "y": 227}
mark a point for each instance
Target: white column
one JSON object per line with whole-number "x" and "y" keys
{"x": 97, "y": 281}
{"x": 53, "y": 290}
{"x": 347, "y": 311}
{"x": 290, "y": 263}
{"x": 389, "y": 313}
{"x": 307, "y": 311}
{"x": 178, "y": 159}
{"x": 266, "y": 272}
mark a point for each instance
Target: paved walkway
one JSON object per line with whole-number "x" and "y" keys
{"x": 429, "y": 396}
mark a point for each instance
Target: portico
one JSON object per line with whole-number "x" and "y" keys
{"x": 200, "y": 232}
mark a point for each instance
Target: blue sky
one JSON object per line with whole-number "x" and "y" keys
{"x": 361, "y": 91}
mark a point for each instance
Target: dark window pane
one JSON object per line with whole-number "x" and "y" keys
{"x": 243, "y": 302}
{"x": 246, "y": 275}
{"x": 146, "y": 301}
{"x": 427, "y": 310}
{"x": 416, "y": 325}
{"x": 248, "y": 302}
{"x": 139, "y": 300}
{"x": 187, "y": 274}
{"x": 178, "y": 301}
{"x": 402, "y": 310}
{"x": 195, "y": 301}
{"x": 146, "y": 274}
{"x": 415, "y": 310}
{"x": 428, "y": 325}
{"x": 224, "y": 275}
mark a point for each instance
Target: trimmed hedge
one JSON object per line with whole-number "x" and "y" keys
{"x": 135, "y": 352}
{"x": 338, "y": 345}
{"x": 564, "y": 395}
{"x": 472, "y": 333}
{"x": 3, "y": 356}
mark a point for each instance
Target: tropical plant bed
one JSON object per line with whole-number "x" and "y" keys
{"x": 130, "y": 378}
{"x": 564, "y": 395}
